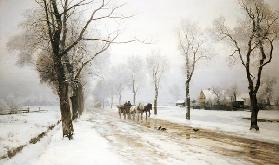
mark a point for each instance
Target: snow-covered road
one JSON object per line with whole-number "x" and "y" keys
{"x": 102, "y": 138}
{"x": 228, "y": 122}
{"x": 142, "y": 143}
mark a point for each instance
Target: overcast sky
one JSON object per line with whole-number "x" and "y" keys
{"x": 154, "y": 20}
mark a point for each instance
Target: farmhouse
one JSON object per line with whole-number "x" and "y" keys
{"x": 206, "y": 98}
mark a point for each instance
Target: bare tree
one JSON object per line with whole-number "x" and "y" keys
{"x": 156, "y": 64}
{"x": 233, "y": 92}
{"x": 101, "y": 90}
{"x": 76, "y": 62}
{"x": 120, "y": 79}
{"x": 100, "y": 93}
{"x": 267, "y": 90}
{"x": 9, "y": 103}
{"x": 119, "y": 89}
{"x": 110, "y": 86}
{"x": 54, "y": 20}
{"x": 219, "y": 93}
{"x": 192, "y": 46}
{"x": 253, "y": 43}
{"x": 135, "y": 66}
{"x": 111, "y": 93}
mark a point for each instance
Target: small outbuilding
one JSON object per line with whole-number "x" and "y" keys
{"x": 238, "y": 104}
{"x": 180, "y": 103}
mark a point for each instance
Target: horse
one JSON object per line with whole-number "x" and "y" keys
{"x": 125, "y": 109}
{"x": 121, "y": 109}
{"x": 133, "y": 111}
{"x": 147, "y": 108}
{"x": 140, "y": 109}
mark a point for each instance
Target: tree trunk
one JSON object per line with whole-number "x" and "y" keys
{"x": 254, "y": 111}
{"x": 77, "y": 101}
{"x": 155, "y": 101}
{"x": 187, "y": 84}
{"x": 119, "y": 99}
{"x": 67, "y": 124}
{"x": 134, "y": 98}
{"x": 74, "y": 101}
{"x": 134, "y": 93}
{"x": 70, "y": 72}
{"x": 65, "y": 110}
{"x": 80, "y": 97}
{"x": 111, "y": 101}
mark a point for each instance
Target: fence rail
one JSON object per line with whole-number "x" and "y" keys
{"x": 18, "y": 111}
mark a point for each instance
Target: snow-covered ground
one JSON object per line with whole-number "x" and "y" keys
{"x": 102, "y": 138}
{"x": 18, "y": 129}
{"x": 87, "y": 147}
{"x": 230, "y": 122}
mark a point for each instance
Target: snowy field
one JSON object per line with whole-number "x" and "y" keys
{"x": 102, "y": 138}
{"x": 18, "y": 129}
{"x": 229, "y": 122}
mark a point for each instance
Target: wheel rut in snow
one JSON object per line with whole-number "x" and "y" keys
{"x": 255, "y": 151}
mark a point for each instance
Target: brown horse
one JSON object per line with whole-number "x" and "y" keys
{"x": 122, "y": 110}
{"x": 125, "y": 110}
{"x": 147, "y": 108}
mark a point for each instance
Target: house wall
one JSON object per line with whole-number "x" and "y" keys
{"x": 202, "y": 100}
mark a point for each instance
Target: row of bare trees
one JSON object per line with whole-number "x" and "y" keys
{"x": 131, "y": 76}
{"x": 252, "y": 41}
{"x": 61, "y": 39}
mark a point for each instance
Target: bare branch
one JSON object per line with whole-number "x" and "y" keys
{"x": 103, "y": 49}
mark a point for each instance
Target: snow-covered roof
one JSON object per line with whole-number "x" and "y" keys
{"x": 180, "y": 101}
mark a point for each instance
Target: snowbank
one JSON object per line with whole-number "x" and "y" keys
{"x": 230, "y": 122}
{"x": 87, "y": 147}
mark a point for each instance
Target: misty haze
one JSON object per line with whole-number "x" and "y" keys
{"x": 139, "y": 82}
